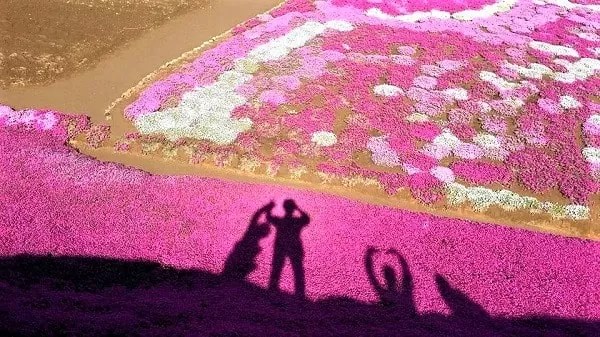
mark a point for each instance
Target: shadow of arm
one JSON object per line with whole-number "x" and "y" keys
{"x": 407, "y": 279}
{"x": 370, "y": 273}
{"x": 304, "y": 218}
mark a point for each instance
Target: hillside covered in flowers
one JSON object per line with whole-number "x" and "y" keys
{"x": 408, "y": 133}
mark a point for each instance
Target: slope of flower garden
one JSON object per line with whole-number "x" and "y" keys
{"x": 491, "y": 104}
{"x": 58, "y": 201}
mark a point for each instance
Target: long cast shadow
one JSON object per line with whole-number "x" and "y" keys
{"x": 84, "y": 296}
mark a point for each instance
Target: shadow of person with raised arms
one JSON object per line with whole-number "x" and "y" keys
{"x": 391, "y": 294}
{"x": 242, "y": 259}
{"x": 288, "y": 244}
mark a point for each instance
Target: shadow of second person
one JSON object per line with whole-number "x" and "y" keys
{"x": 242, "y": 259}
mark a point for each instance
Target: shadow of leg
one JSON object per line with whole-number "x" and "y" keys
{"x": 299, "y": 280}
{"x": 277, "y": 268}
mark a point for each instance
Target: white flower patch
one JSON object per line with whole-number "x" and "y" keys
{"x": 591, "y": 154}
{"x": 482, "y": 198}
{"x": 340, "y": 25}
{"x": 437, "y": 14}
{"x": 593, "y": 120}
{"x": 534, "y": 70}
{"x": 578, "y": 70}
{"x": 466, "y": 15}
{"x": 553, "y": 49}
{"x": 459, "y": 94}
{"x": 456, "y": 193}
{"x": 569, "y": 102}
{"x": 484, "y": 12}
{"x": 233, "y": 78}
{"x": 205, "y": 112}
{"x": 487, "y": 141}
{"x": 297, "y": 37}
{"x": 324, "y": 138}
{"x": 281, "y": 46}
{"x": 387, "y": 90}
{"x": 413, "y": 17}
{"x": 588, "y": 36}
{"x": 497, "y": 81}
{"x": 510, "y": 200}
{"x": 577, "y": 212}
{"x": 382, "y": 153}
{"x": 570, "y": 5}
{"x": 448, "y": 139}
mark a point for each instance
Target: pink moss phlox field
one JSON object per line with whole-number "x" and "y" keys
{"x": 462, "y": 81}
{"x": 61, "y": 202}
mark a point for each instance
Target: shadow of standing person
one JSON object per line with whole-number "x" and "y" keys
{"x": 288, "y": 244}
{"x": 242, "y": 259}
{"x": 391, "y": 294}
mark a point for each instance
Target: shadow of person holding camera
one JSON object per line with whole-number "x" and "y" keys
{"x": 288, "y": 244}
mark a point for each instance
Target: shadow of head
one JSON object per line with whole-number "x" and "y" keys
{"x": 289, "y": 205}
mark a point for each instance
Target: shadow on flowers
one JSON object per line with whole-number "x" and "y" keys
{"x": 288, "y": 245}
{"x": 84, "y": 296}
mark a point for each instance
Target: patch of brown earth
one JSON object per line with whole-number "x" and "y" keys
{"x": 42, "y": 41}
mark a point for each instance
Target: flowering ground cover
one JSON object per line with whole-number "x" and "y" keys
{"x": 490, "y": 104}
{"x": 58, "y": 201}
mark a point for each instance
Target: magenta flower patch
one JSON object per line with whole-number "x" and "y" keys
{"x": 81, "y": 206}
{"x": 447, "y": 107}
